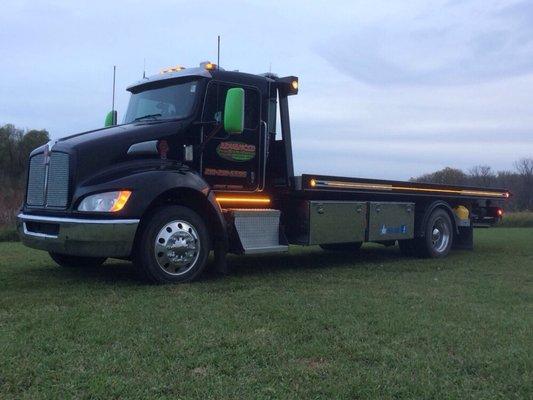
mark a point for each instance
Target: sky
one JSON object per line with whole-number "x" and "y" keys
{"x": 388, "y": 89}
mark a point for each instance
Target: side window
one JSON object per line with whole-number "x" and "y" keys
{"x": 215, "y": 100}
{"x": 251, "y": 109}
{"x": 273, "y": 117}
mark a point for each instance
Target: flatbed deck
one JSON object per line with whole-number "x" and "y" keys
{"x": 321, "y": 184}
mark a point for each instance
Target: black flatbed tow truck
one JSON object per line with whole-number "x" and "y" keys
{"x": 199, "y": 165}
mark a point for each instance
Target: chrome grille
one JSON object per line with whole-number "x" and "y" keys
{"x": 48, "y": 184}
{"x": 57, "y": 188}
{"x": 36, "y": 178}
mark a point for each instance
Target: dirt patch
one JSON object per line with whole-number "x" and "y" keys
{"x": 313, "y": 363}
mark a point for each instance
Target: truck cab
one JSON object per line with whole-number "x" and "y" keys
{"x": 199, "y": 165}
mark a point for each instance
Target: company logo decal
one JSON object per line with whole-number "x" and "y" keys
{"x": 393, "y": 229}
{"x": 236, "y": 151}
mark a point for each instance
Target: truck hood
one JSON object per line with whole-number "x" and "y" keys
{"x": 121, "y": 134}
{"x": 96, "y": 150}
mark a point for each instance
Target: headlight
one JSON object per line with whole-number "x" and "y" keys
{"x": 105, "y": 202}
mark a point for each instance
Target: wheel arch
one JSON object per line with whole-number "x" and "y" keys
{"x": 203, "y": 204}
{"x": 420, "y": 225}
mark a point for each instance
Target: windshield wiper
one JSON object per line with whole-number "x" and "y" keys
{"x": 153, "y": 116}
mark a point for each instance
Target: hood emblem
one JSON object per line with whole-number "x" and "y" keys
{"x": 46, "y": 154}
{"x": 163, "y": 148}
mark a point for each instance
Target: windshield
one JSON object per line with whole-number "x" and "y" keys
{"x": 171, "y": 101}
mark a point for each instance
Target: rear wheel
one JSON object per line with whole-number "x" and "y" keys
{"x": 347, "y": 247}
{"x": 438, "y": 237}
{"x": 174, "y": 246}
{"x": 69, "y": 261}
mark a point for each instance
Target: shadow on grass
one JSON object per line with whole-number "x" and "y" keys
{"x": 113, "y": 271}
{"x": 312, "y": 258}
{"x": 299, "y": 259}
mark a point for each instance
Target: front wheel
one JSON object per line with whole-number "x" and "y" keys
{"x": 173, "y": 247}
{"x": 69, "y": 261}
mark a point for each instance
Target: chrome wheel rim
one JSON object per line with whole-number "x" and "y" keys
{"x": 440, "y": 235}
{"x": 177, "y": 247}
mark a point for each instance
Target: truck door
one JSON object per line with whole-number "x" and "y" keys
{"x": 232, "y": 162}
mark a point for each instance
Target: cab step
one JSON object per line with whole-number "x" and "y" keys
{"x": 258, "y": 230}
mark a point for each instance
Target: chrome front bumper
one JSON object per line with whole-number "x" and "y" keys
{"x": 76, "y": 236}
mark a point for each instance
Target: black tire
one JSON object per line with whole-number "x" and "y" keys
{"x": 69, "y": 261}
{"x": 438, "y": 237}
{"x": 346, "y": 247}
{"x": 182, "y": 248}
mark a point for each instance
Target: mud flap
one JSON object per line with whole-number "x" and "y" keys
{"x": 465, "y": 239}
{"x": 221, "y": 265}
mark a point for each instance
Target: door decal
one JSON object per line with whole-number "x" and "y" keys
{"x": 236, "y": 151}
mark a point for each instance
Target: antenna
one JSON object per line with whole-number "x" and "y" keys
{"x": 218, "y": 53}
{"x": 113, "y": 102}
{"x": 144, "y": 68}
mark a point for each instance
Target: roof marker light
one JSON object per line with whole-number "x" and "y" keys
{"x": 208, "y": 65}
{"x": 172, "y": 69}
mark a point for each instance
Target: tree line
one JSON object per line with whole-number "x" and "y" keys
{"x": 15, "y": 147}
{"x": 519, "y": 181}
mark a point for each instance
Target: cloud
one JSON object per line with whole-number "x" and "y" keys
{"x": 393, "y": 88}
{"x": 446, "y": 43}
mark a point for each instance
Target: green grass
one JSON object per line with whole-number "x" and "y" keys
{"x": 305, "y": 325}
{"x": 520, "y": 219}
{"x": 8, "y": 233}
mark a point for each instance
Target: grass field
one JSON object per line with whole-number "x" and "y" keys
{"x": 305, "y": 325}
{"x": 519, "y": 219}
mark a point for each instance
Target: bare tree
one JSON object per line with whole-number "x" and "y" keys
{"x": 524, "y": 167}
{"x": 482, "y": 175}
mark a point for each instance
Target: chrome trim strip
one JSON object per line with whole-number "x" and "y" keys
{"x": 60, "y": 220}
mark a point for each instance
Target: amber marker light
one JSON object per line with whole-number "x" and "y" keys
{"x": 122, "y": 199}
{"x": 312, "y": 183}
{"x": 294, "y": 85}
{"x": 176, "y": 68}
{"x": 244, "y": 200}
